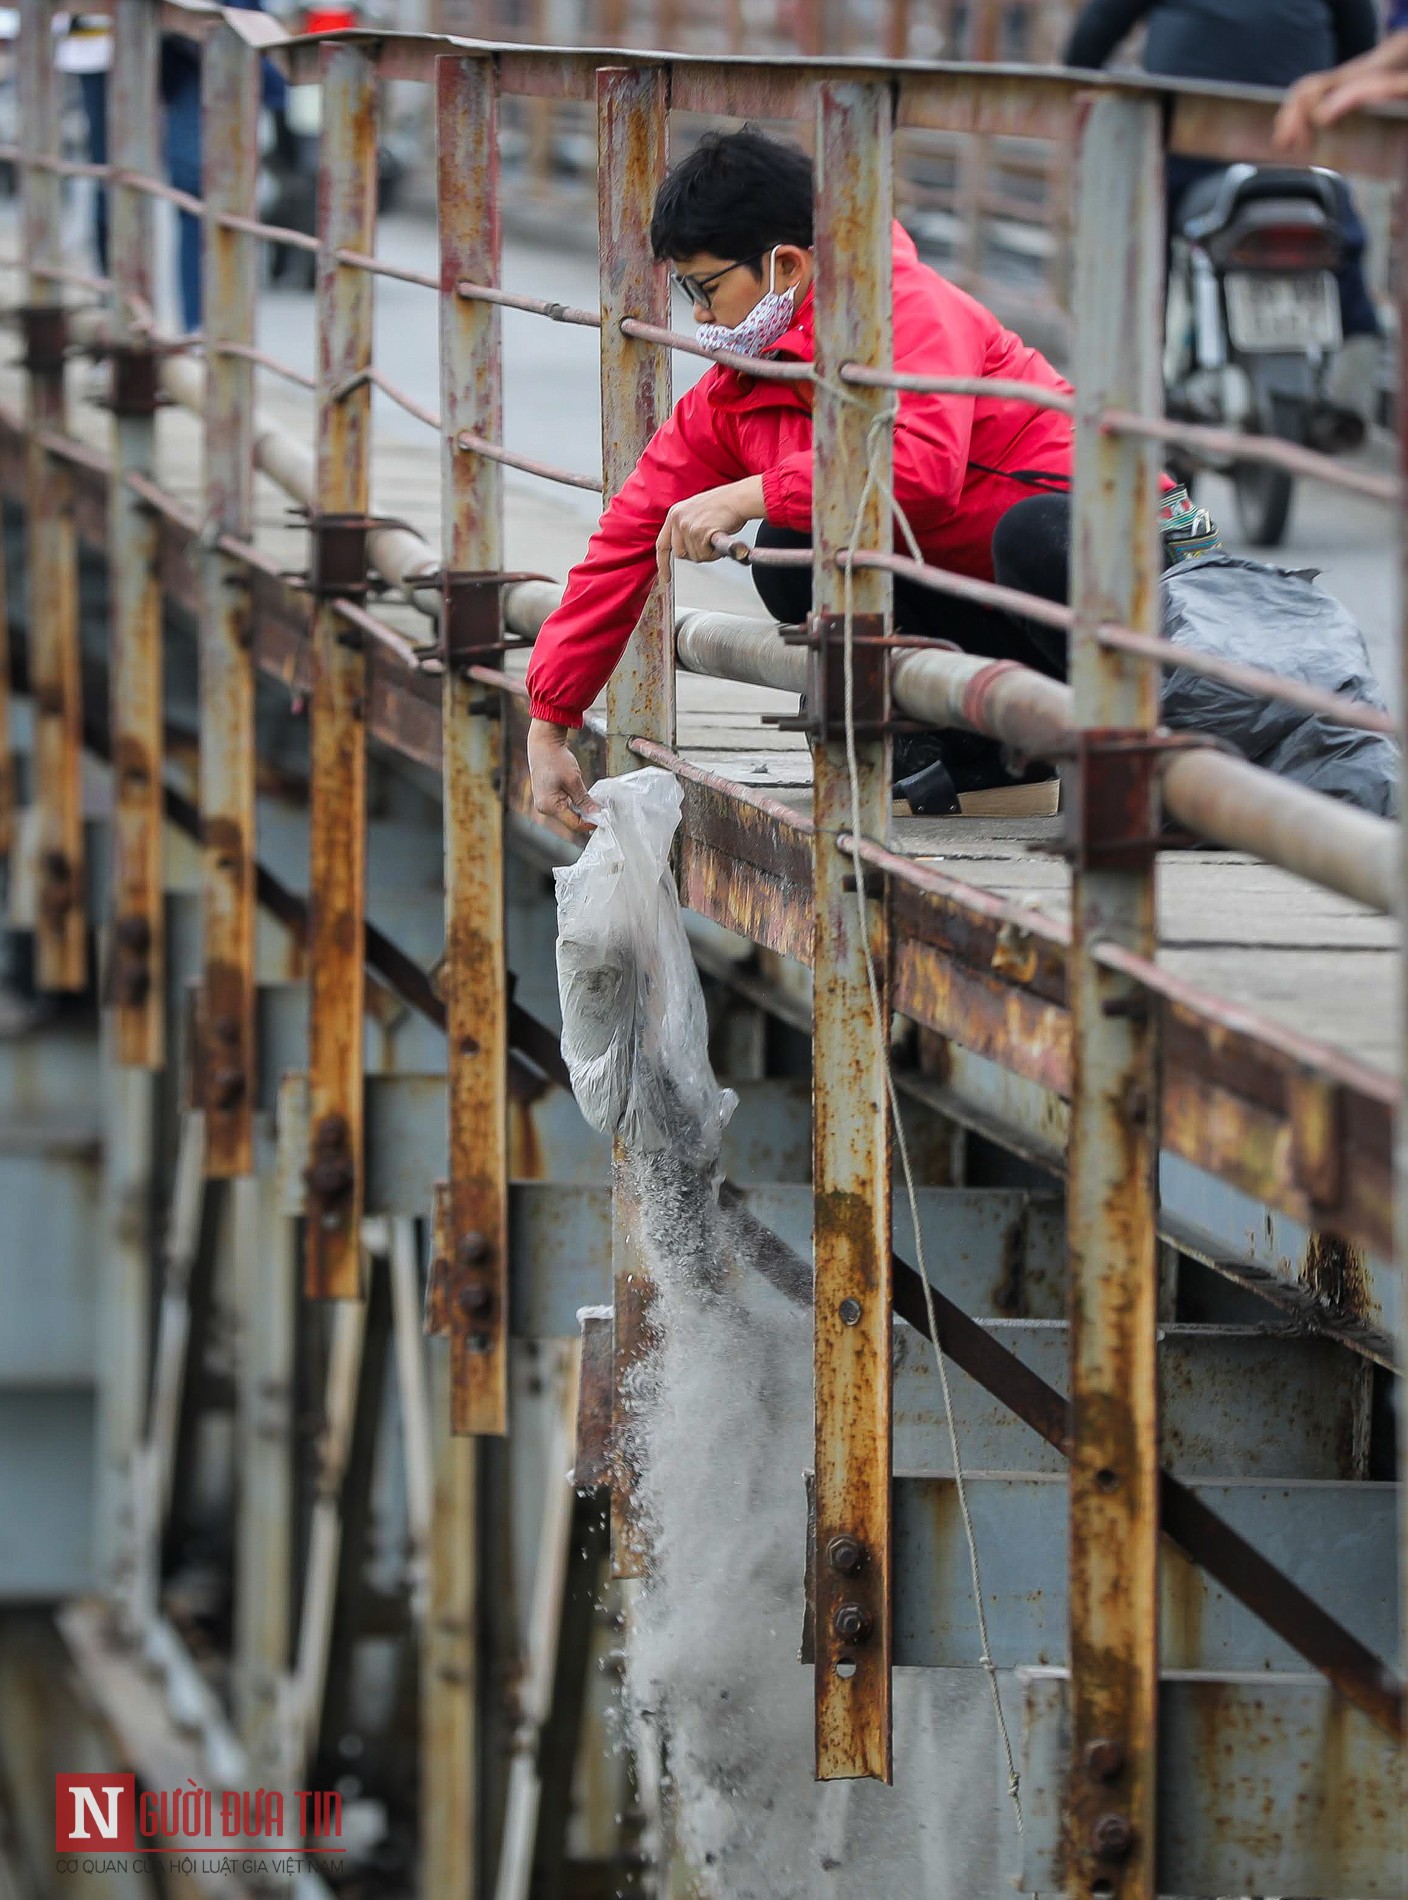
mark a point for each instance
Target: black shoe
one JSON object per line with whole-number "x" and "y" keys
{"x": 939, "y": 774}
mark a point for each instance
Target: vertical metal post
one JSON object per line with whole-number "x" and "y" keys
{"x": 632, "y": 141}
{"x": 476, "y": 978}
{"x": 230, "y": 159}
{"x": 449, "y": 1798}
{"x": 632, "y": 130}
{"x": 851, "y": 1126}
{"x": 265, "y": 1257}
{"x": 61, "y": 947}
{"x": 137, "y": 984}
{"x": 124, "y": 1301}
{"x": 338, "y": 790}
{"x": 1113, "y": 1156}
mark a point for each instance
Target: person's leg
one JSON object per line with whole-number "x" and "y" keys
{"x": 94, "y": 87}
{"x": 1357, "y": 311}
{"x": 1031, "y": 551}
{"x": 183, "y": 168}
{"x": 786, "y": 592}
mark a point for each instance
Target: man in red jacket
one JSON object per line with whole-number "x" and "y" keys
{"x": 982, "y": 481}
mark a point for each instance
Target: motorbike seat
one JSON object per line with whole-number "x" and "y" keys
{"x": 1210, "y": 202}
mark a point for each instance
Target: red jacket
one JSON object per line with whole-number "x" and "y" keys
{"x": 950, "y": 454}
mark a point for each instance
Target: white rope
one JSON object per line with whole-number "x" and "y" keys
{"x": 874, "y": 480}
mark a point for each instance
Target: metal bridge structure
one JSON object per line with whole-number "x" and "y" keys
{"x": 299, "y": 1211}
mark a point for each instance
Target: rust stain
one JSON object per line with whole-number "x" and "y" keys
{"x": 1333, "y": 1270}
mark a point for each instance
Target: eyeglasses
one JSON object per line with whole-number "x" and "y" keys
{"x": 700, "y": 290}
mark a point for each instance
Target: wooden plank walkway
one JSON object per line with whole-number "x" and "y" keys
{"x": 1237, "y": 928}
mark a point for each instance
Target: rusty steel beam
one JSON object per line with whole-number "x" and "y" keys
{"x": 136, "y": 985}
{"x": 1112, "y": 1164}
{"x": 61, "y": 939}
{"x": 338, "y": 768}
{"x": 230, "y": 157}
{"x": 471, "y": 394}
{"x": 632, "y": 105}
{"x": 851, "y": 1134}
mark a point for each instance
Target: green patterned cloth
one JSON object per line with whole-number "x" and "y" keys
{"x": 1187, "y": 531}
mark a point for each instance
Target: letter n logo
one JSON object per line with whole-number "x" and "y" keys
{"x": 93, "y": 1812}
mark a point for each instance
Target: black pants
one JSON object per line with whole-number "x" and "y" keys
{"x": 1031, "y": 550}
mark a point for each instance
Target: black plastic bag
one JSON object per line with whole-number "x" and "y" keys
{"x": 1259, "y": 615}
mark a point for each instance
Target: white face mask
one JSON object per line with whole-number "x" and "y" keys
{"x": 770, "y": 318}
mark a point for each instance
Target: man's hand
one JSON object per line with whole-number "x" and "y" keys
{"x": 1320, "y": 99}
{"x": 558, "y": 788}
{"x": 691, "y": 525}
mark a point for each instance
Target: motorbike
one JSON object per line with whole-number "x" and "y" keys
{"x": 1252, "y": 325}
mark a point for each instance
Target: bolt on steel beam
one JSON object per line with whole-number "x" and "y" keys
{"x": 1114, "y": 1141}
{"x": 851, "y": 1134}
{"x": 51, "y": 555}
{"x": 230, "y": 160}
{"x": 632, "y": 139}
{"x": 338, "y": 776}
{"x": 136, "y": 986}
{"x": 474, "y": 768}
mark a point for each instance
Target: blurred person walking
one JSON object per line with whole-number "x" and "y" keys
{"x": 88, "y": 51}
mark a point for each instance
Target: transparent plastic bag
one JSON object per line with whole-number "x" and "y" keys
{"x": 634, "y": 1032}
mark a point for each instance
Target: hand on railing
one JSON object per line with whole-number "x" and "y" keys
{"x": 691, "y": 527}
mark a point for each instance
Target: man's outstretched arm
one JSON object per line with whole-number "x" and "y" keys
{"x": 1375, "y": 78}
{"x": 582, "y": 642}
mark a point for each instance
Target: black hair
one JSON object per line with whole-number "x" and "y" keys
{"x": 735, "y": 196}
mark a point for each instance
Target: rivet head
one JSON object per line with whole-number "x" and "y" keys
{"x": 850, "y": 1312}
{"x": 845, "y": 1555}
{"x": 851, "y": 1622}
{"x": 475, "y": 1299}
{"x": 1112, "y": 1837}
{"x": 1104, "y": 1758}
{"x": 474, "y": 1248}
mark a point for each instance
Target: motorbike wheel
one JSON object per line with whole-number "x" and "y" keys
{"x": 1264, "y": 498}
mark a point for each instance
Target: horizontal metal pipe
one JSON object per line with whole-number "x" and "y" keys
{"x": 271, "y": 233}
{"x": 378, "y": 267}
{"x": 403, "y": 400}
{"x": 940, "y": 580}
{"x": 383, "y": 634}
{"x": 535, "y": 306}
{"x": 725, "y": 646}
{"x": 765, "y": 369}
{"x": 546, "y": 471}
{"x": 262, "y": 360}
{"x": 158, "y": 188}
{"x": 1239, "y": 805}
{"x": 1253, "y": 679}
{"x": 1315, "y": 1057}
{"x": 996, "y": 388}
{"x": 1264, "y": 449}
{"x": 788, "y": 816}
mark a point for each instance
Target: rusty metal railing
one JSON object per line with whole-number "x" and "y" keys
{"x": 1115, "y": 1000}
